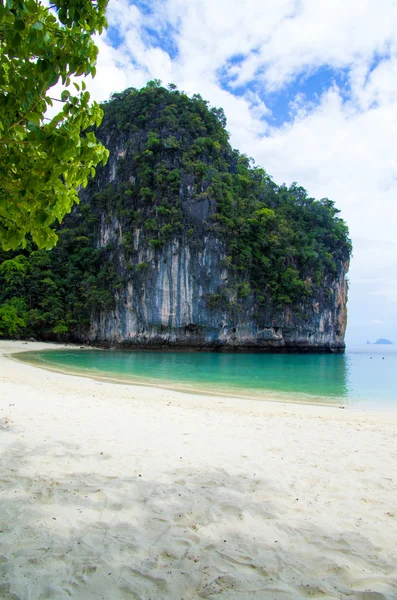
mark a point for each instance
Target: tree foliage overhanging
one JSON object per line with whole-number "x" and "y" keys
{"x": 43, "y": 160}
{"x": 283, "y": 248}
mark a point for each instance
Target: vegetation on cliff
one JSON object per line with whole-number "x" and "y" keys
{"x": 176, "y": 176}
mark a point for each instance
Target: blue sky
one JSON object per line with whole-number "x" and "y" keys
{"x": 308, "y": 86}
{"x": 309, "y": 89}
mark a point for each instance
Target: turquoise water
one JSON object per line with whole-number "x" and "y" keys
{"x": 363, "y": 377}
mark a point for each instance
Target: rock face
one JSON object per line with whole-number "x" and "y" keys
{"x": 166, "y": 305}
{"x": 184, "y": 293}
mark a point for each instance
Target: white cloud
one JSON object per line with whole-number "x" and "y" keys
{"x": 123, "y": 15}
{"x": 337, "y": 34}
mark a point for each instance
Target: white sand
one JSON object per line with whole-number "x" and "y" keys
{"x": 125, "y": 492}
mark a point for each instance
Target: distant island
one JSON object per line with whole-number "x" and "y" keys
{"x": 381, "y": 341}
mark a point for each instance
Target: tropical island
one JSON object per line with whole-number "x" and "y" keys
{"x": 135, "y": 491}
{"x": 181, "y": 241}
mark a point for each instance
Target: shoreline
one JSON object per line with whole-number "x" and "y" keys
{"x": 289, "y": 397}
{"x": 215, "y": 347}
{"x": 175, "y": 387}
{"x": 219, "y": 348}
{"x": 123, "y": 492}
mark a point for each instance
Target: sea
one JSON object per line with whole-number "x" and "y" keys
{"x": 364, "y": 377}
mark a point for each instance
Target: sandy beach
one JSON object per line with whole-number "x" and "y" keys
{"x": 121, "y": 492}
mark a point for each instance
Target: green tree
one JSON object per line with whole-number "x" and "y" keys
{"x": 12, "y": 317}
{"x": 43, "y": 161}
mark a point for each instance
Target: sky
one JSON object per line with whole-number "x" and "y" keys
{"x": 309, "y": 89}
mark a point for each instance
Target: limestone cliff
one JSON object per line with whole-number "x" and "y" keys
{"x": 166, "y": 303}
{"x": 189, "y": 270}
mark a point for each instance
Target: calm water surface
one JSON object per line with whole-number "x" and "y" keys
{"x": 364, "y": 377}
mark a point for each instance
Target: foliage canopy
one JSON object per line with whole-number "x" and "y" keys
{"x": 43, "y": 161}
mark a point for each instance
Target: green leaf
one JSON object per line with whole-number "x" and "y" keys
{"x": 19, "y": 25}
{"x": 19, "y": 129}
{"x": 33, "y": 118}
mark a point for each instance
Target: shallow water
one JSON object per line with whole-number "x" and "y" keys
{"x": 364, "y": 377}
